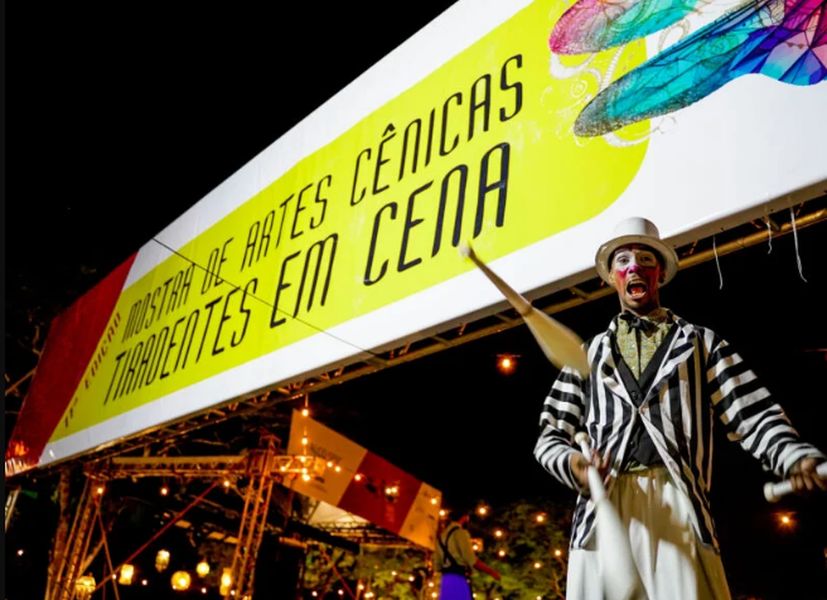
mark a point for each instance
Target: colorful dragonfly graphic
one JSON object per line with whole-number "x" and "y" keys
{"x": 782, "y": 39}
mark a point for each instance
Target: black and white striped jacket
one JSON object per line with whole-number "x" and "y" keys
{"x": 701, "y": 377}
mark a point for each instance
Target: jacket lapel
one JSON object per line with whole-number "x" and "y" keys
{"x": 607, "y": 369}
{"x": 681, "y": 346}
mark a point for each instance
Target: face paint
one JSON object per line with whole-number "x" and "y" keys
{"x": 636, "y": 273}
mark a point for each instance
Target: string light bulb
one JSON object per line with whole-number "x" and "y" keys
{"x": 126, "y": 573}
{"x": 540, "y": 517}
{"x": 162, "y": 560}
{"x": 84, "y": 586}
{"x": 506, "y": 363}
{"x": 202, "y": 568}
{"x": 181, "y": 581}
{"x": 225, "y": 582}
{"x": 482, "y": 510}
{"x": 786, "y": 520}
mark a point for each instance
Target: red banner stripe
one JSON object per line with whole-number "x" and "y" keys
{"x": 73, "y": 338}
{"x": 368, "y": 498}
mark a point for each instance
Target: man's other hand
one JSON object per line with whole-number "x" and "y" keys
{"x": 804, "y": 476}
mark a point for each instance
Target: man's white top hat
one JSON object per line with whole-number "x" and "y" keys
{"x": 636, "y": 230}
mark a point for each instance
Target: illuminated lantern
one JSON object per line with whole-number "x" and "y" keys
{"x": 126, "y": 574}
{"x": 226, "y": 582}
{"x": 181, "y": 581}
{"x": 162, "y": 560}
{"x": 84, "y": 586}
{"x": 203, "y": 568}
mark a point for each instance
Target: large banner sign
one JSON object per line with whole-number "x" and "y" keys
{"x": 527, "y": 128}
{"x": 365, "y": 484}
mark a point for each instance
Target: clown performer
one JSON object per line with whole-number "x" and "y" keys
{"x": 656, "y": 386}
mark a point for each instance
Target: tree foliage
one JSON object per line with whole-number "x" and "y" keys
{"x": 533, "y": 539}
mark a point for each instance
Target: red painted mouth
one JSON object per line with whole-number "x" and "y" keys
{"x": 636, "y": 289}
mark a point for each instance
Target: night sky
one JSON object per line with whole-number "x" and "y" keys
{"x": 120, "y": 120}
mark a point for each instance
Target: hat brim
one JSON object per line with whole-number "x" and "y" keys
{"x": 667, "y": 253}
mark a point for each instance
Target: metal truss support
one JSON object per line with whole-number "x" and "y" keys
{"x": 253, "y": 523}
{"x": 62, "y": 585}
{"x": 11, "y": 500}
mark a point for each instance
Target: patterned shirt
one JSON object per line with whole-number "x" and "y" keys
{"x": 637, "y": 345}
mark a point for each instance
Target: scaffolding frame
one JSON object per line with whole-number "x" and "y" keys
{"x": 262, "y": 467}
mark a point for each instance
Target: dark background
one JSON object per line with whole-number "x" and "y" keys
{"x": 119, "y": 119}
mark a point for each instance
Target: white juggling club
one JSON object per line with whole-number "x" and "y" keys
{"x": 774, "y": 491}
{"x": 621, "y": 580}
{"x": 559, "y": 343}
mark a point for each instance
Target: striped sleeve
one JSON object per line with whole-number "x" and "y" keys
{"x": 562, "y": 416}
{"x": 748, "y": 413}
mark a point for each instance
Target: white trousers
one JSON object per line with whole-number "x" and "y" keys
{"x": 672, "y": 562}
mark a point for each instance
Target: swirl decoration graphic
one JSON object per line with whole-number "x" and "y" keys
{"x": 782, "y": 39}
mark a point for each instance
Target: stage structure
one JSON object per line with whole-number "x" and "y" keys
{"x": 320, "y": 464}
{"x": 260, "y": 468}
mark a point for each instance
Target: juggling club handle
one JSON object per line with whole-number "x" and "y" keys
{"x": 774, "y": 491}
{"x": 596, "y": 488}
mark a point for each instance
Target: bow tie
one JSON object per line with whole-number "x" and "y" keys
{"x": 640, "y": 324}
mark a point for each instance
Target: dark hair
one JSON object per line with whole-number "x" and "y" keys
{"x": 458, "y": 509}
